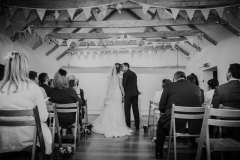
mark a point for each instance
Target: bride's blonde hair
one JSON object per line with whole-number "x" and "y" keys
{"x": 16, "y": 71}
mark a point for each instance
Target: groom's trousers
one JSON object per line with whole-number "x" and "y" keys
{"x": 128, "y": 102}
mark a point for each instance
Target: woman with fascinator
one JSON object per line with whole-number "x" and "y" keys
{"x": 111, "y": 122}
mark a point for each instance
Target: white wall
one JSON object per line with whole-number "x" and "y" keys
{"x": 221, "y": 56}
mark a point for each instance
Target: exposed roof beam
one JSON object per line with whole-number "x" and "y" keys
{"x": 104, "y": 19}
{"x": 204, "y": 35}
{"x": 193, "y": 45}
{"x": 58, "y": 4}
{"x": 232, "y": 29}
{"x": 124, "y": 23}
{"x": 136, "y": 34}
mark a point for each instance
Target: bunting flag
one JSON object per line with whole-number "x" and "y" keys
{"x": 12, "y": 10}
{"x": 8, "y": 23}
{"x": 13, "y": 31}
{"x": 145, "y": 8}
{"x": 26, "y": 13}
{"x": 138, "y": 41}
{"x": 94, "y": 55}
{"x": 132, "y": 54}
{"x": 113, "y": 40}
{"x": 103, "y": 9}
{"x": 173, "y": 44}
{"x": 119, "y": 7}
{"x": 190, "y": 41}
{"x": 190, "y": 13}
{"x": 129, "y": 50}
{"x": 160, "y": 11}
{"x": 56, "y": 14}
{"x": 154, "y": 44}
{"x": 175, "y": 12}
{"x": 220, "y": 11}
{"x": 78, "y": 55}
{"x": 59, "y": 41}
{"x": 41, "y": 13}
{"x": 104, "y": 42}
{"x": 71, "y": 12}
{"x": 205, "y": 13}
{"x": 200, "y": 37}
{"x": 87, "y": 11}
{"x": 96, "y": 42}
{"x": 68, "y": 43}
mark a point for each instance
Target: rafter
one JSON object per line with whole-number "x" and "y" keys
{"x": 124, "y": 23}
{"x": 104, "y": 19}
{"x": 136, "y": 34}
{"x": 58, "y": 4}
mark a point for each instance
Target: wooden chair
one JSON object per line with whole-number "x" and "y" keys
{"x": 153, "y": 116}
{"x": 68, "y": 108}
{"x": 181, "y": 112}
{"x": 221, "y": 144}
{"x": 35, "y": 122}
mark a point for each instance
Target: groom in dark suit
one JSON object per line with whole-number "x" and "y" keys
{"x": 131, "y": 95}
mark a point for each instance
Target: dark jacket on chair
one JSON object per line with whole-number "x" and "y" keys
{"x": 180, "y": 93}
{"x": 227, "y": 94}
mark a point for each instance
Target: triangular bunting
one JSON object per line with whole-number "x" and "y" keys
{"x": 154, "y": 44}
{"x": 205, "y": 13}
{"x": 78, "y": 55}
{"x": 29, "y": 30}
{"x": 190, "y": 13}
{"x": 114, "y": 40}
{"x": 130, "y": 50}
{"x": 56, "y": 14}
{"x": 68, "y": 42}
{"x": 138, "y": 41}
{"x": 140, "y": 53}
{"x": 12, "y": 10}
{"x": 41, "y": 13}
{"x": 59, "y": 41}
{"x": 8, "y": 23}
{"x": 87, "y": 11}
{"x": 160, "y": 11}
{"x": 104, "y": 42}
{"x": 94, "y": 55}
{"x": 71, "y": 12}
{"x": 96, "y": 42}
{"x": 26, "y": 12}
{"x": 220, "y": 11}
{"x": 145, "y": 8}
{"x": 103, "y": 9}
{"x": 13, "y": 32}
{"x": 132, "y": 54}
{"x": 173, "y": 44}
{"x": 190, "y": 41}
{"x": 175, "y": 12}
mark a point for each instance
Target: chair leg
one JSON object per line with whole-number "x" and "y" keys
{"x": 169, "y": 144}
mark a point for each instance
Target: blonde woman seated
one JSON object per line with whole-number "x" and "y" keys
{"x": 63, "y": 94}
{"x": 17, "y": 91}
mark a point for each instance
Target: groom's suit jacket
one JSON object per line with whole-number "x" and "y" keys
{"x": 130, "y": 83}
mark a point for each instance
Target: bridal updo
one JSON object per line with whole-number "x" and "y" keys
{"x": 118, "y": 67}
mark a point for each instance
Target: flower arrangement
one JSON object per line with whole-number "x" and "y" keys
{"x": 88, "y": 126}
{"x": 66, "y": 153}
{"x": 145, "y": 127}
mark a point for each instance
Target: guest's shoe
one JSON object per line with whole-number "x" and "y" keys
{"x": 158, "y": 155}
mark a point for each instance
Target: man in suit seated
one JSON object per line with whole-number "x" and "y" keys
{"x": 181, "y": 93}
{"x": 228, "y": 94}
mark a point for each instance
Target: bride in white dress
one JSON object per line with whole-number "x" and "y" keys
{"x": 111, "y": 122}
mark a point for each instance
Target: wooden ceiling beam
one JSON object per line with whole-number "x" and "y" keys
{"x": 232, "y": 29}
{"x": 104, "y": 19}
{"x": 136, "y": 34}
{"x": 62, "y": 4}
{"x": 125, "y": 23}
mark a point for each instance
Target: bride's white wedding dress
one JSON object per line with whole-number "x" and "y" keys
{"x": 111, "y": 122}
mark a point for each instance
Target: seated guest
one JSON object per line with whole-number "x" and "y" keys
{"x": 212, "y": 84}
{"x": 181, "y": 93}
{"x": 1, "y": 72}
{"x": 43, "y": 82}
{"x": 228, "y": 94}
{"x": 50, "y": 83}
{"x": 63, "y": 94}
{"x": 33, "y": 76}
{"x": 158, "y": 94}
{"x": 193, "y": 79}
{"x": 18, "y": 92}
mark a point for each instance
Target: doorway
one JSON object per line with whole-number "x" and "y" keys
{"x": 208, "y": 74}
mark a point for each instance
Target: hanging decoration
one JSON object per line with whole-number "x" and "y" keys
{"x": 160, "y": 11}
{"x": 26, "y": 13}
{"x": 71, "y": 12}
{"x": 205, "y": 13}
{"x": 87, "y": 11}
{"x": 78, "y": 55}
{"x": 173, "y": 44}
{"x": 56, "y": 14}
{"x": 41, "y": 13}
{"x": 175, "y": 12}
{"x": 191, "y": 41}
{"x": 8, "y": 23}
{"x": 119, "y": 7}
{"x": 190, "y": 13}
{"x": 220, "y": 11}
{"x": 103, "y": 9}
{"x": 145, "y": 8}
{"x": 12, "y": 10}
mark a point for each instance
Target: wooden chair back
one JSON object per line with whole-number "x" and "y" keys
{"x": 221, "y": 122}
{"x": 182, "y": 112}
{"x": 35, "y": 122}
{"x": 68, "y": 108}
